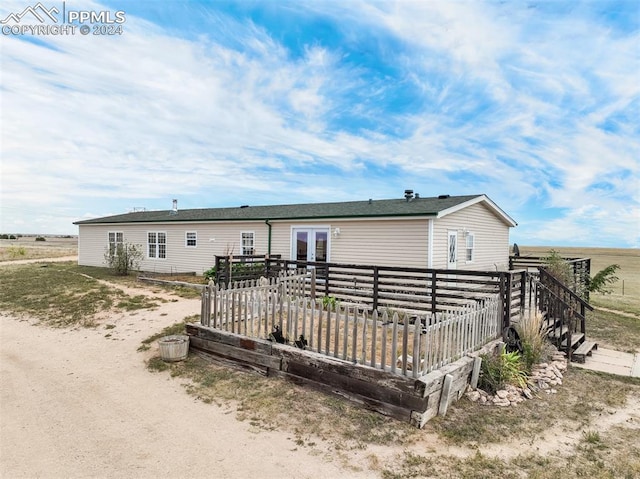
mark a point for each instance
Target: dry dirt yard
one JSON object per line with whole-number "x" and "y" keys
{"x": 80, "y": 402}
{"x": 75, "y": 404}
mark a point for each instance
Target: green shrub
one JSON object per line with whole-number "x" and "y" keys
{"x": 40, "y": 238}
{"x": 329, "y": 302}
{"x": 559, "y": 267}
{"x": 210, "y": 273}
{"x": 603, "y": 279}
{"x": 498, "y": 370}
{"x": 123, "y": 258}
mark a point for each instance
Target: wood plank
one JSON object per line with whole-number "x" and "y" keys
{"x": 231, "y": 363}
{"x": 575, "y": 339}
{"x": 444, "y": 397}
{"x": 585, "y": 349}
{"x": 367, "y": 389}
{"x": 239, "y": 354}
{"x": 344, "y": 368}
{"x": 250, "y": 344}
{"x": 386, "y": 409}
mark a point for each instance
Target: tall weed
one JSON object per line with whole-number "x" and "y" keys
{"x": 533, "y": 339}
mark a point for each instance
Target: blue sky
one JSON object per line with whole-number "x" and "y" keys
{"x": 536, "y": 104}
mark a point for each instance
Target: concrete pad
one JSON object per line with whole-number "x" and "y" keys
{"x": 610, "y": 356}
{"x": 612, "y": 362}
{"x": 635, "y": 369}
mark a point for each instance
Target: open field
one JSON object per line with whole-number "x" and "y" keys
{"x": 627, "y": 258}
{"x": 615, "y": 323}
{"x": 26, "y": 247}
{"x": 590, "y": 428}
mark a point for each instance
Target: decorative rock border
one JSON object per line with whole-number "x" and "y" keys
{"x": 544, "y": 378}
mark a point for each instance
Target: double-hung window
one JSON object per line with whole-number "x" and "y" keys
{"x": 191, "y": 239}
{"x": 470, "y": 243}
{"x": 116, "y": 239}
{"x": 247, "y": 242}
{"x": 157, "y": 244}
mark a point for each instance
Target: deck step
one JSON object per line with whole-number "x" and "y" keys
{"x": 558, "y": 333}
{"x": 584, "y": 350}
{"x": 575, "y": 339}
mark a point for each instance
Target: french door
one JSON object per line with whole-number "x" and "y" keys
{"x": 310, "y": 244}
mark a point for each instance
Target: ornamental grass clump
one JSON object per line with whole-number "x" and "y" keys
{"x": 499, "y": 370}
{"x": 533, "y": 339}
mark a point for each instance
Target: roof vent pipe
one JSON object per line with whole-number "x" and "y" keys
{"x": 408, "y": 194}
{"x": 175, "y": 207}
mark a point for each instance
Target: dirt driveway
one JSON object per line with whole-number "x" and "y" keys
{"x": 77, "y": 404}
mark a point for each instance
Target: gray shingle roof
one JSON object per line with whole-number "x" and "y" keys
{"x": 349, "y": 209}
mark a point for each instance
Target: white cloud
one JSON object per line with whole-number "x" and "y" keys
{"x": 509, "y": 101}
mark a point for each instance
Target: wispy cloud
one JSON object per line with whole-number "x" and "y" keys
{"x": 221, "y": 104}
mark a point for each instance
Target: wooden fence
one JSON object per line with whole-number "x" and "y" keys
{"x": 421, "y": 290}
{"x": 390, "y": 341}
{"x": 580, "y": 269}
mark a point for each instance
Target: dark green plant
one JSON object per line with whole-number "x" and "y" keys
{"x": 498, "y": 370}
{"x": 329, "y": 302}
{"x": 123, "y": 258}
{"x": 603, "y": 279}
{"x": 559, "y": 267}
{"x": 40, "y": 238}
{"x": 210, "y": 273}
{"x": 239, "y": 270}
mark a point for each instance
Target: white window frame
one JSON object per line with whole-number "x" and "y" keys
{"x": 113, "y": 241}
{"x": 312, "y": 230}
{"x": 242, "y": 243}
{"x": 469, "y": 247}
{"x": 157, "y": 254}
{"x": 194, "y": 239}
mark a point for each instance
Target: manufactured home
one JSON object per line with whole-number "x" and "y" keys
{"x": 443, "y": 232}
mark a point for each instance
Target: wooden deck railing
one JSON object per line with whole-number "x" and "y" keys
{"x": 580, "y": 268}
{"x": 399, "y": 343}
{"x": 420, "y": 290}
{"x": 565, "y": 310}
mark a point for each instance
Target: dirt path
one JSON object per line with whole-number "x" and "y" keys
{"x": 76, "y": 404}
{"x": 616, "y": 311}
{"x": 39, "y": 260}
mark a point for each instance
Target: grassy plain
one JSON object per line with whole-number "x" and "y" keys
{"x": 615, "y": 323}
{"x": 26, "y": 248}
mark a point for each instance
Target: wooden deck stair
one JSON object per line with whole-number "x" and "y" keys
{"x": 580, "y": 348}
{"x": 564, "y": 313}
{"x": 585, "y": 349}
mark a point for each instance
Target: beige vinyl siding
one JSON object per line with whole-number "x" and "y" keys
{"x": 491, "y": 236}
{"x": 385, "y": 242}
{"x": 212, "y": 239}
{"x": 381, "y": 242}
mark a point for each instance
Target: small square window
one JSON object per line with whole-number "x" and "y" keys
{"x": 191, "y": 239}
